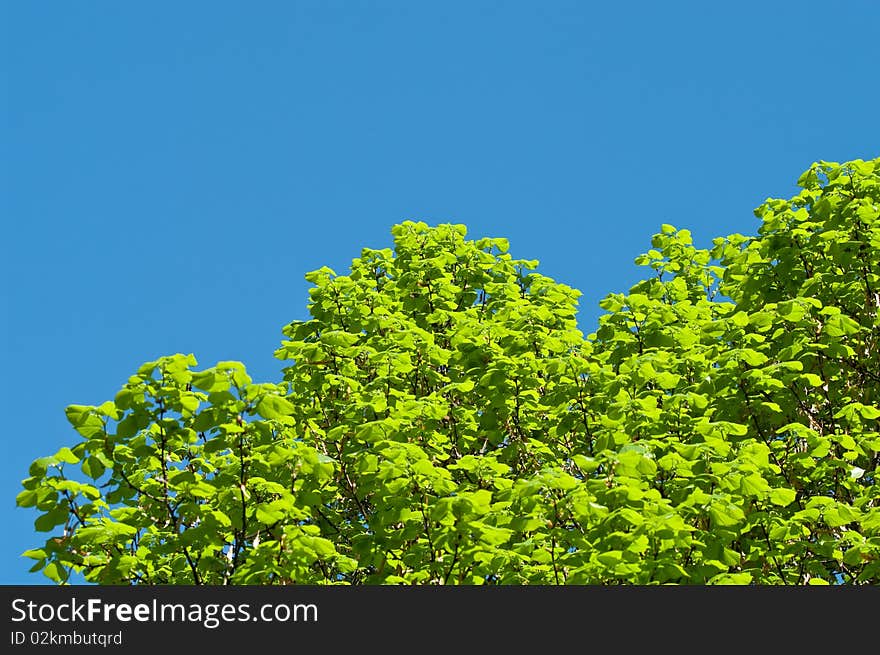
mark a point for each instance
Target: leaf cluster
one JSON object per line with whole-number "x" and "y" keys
{"x": 442, "y": 420}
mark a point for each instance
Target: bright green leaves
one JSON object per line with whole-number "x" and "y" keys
{"x": 54, "y": 517}
{"x": 85, "y": 420}
{"x": 65, "y": 455}
{"x": 271, "y": 407}
{"x": 635, "y": 461}
{"x": 176, "y": 481}
{"x": 840, "y": 515}
{"x": 782, "y": 496}
{"x": 839, "y": 325}
{"x": 725, "y": 514}
{"x": 211, "y": 381}
{"x": 277, "y": 511}
{"x": 55, "y": 572}
{"x": 751, "y": 357}
{"x": 731, "y": 579}
{"x": 442, "y": 420}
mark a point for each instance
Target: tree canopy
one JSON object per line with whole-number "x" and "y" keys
{"x": 442, "y": 420}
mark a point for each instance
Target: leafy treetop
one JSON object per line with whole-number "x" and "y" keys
{"x": 442, "y": 420}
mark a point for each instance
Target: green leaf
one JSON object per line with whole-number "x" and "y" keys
{"x": 273, "y": 407}
{"x": 840, "y": 515}
{"x": 754, "y": 485}
{"x": 93, "y": 467}
{"x": 752, "y": 357}
{"x": 782, "y": 496}
{"x": 726, "y": 515}
{"x": 65, "y": 455}
{"x": 210, "y": 381}
{"x": 37, "y": 553}
{"x": 731, "y": 579}
{"x": 108, "y": 409}
{"x": 268, "y": 515}
{"x": 869, "y": 412}
{"x": 189, "y": 402}
{"x": 51, "y": 519}
{"x": 493, "y": 536}
{"x": 84, "y": 419}
{"x": 26, "y": 498}
{"x": 55, "y": 572}
{"x": 840, "y": 326}
{"x": 667, "y": 380}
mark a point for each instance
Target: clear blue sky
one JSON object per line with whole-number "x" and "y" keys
{"x": 170, "y": 170}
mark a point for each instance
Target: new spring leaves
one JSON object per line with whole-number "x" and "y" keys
{"x": 442, "y": 420}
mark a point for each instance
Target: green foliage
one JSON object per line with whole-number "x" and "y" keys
{"x": 442, "y": 420}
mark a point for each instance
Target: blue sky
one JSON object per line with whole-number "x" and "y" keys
{"x": 170, "y": 171}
